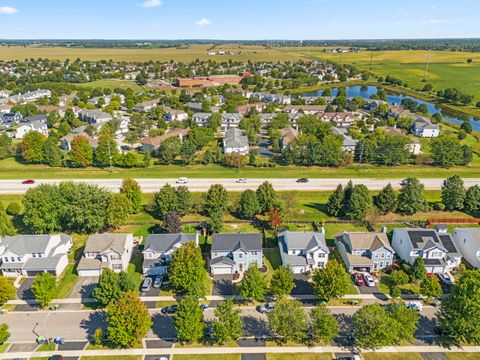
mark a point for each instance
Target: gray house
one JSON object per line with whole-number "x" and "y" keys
{"x": 303, "y": 251}
{"x": 233, "y": 253}
{"x": 365, "y": 251}
{"x": 235, "y": 141}
{"x": 159, "y": 248}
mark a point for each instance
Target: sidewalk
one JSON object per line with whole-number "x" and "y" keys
{"x": 237, "y": 350}
{"x": 175, "y": 298}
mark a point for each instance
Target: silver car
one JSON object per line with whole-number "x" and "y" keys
{"x": 147, "y": 284}
{"x": 266, "y": 308}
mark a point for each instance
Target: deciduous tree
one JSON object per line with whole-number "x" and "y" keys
{"x": 411, "y": 198}
{"x": 44, "y": 288}
{"x": 172, "y": 223}
{"x": 288, "y": 320}
{"x": 254, "y": 284}
{"x": 187, "y": 271}
{"x": 331, "y": 281}
{"x": 216, "y": 200}
{"x": 108, "y": 288}
{"x": 431, "y": 287}
{"x": 31, "y": 147}
{"x": 248, "y": 206}
{"x": 227, "y": 325}
{"x": 188, "y": 320}
{"x": 268, "y": 198}
{"x": 323, "y": 325}
{"x": 132, "y": 192}
{"x": 7, "y": 290}
{"x": 453, "y": 193}
{"x": 282, "y": 281}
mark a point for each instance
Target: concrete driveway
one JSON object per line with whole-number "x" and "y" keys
{"x": 222, "y": 285}
{"x": 302, "y": 286}
{"x": 84, "y": 287}
{"x": 24, "y": 292}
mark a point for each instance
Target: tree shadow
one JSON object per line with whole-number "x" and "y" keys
{"x": 253, "y": 326}
{"x": 87, "y": 290}
{"x": 97, "y": 319}
{"x": 163, "y": 327}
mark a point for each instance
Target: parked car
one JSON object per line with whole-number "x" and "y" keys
{"x": 414, "y": 305}
{"x": 302, "y": 180}
{"x": 445, "y": 278}
{"x": 369, "y": 280}
{"x": 28, "y": 182}
{"x": 56, "y": 357}
{"x": 358, "y": 280}
{"x": 147, "y": 284}
{"x": 266, "y": 308}
{"x": 172, "y": 309}
{"x": 242, "y": 181}
{"x": 182, "y": 180}
{"x": 158, "y": 281}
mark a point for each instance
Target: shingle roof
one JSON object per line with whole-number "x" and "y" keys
{"x": 306, "y": 240}
{"x": 369, "y": 240}
{"x": 222, "y": 259}
{"x": 232, "y": 242}
{"x": 165, "y": 242}
{"x": 234, "y": 138}
{"x": 103, "y": 242}
{"x": 27, "y": 244}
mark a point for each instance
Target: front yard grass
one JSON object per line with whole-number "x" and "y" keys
{"x": 392, "y": 356}
{"x": 117, "y": 357}
{"x": 299, "y": 356}
{"x": 4, "y": 347}
{"x": 67, "y": 281}
{"x": 462, "y": 356}
{"x": 47, "y": 347}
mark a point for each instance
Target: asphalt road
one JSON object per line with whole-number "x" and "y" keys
{"x": 153, "y": 185}
{"x": 80, "y": 325}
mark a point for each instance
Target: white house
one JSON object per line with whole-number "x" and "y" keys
{"x": 235, "y": 142}
{"x": 94, "y": 116}
{"x": 32, "y": 123}
{"x": 435, "y": 247}
{"x": 108, "y": 250}
{"x": 175, "y": 115}
{"x": 303, "y": 251}
{"x": 231, "y": 253}
{"x": 467, "y": 241}
{"x": 422, "y": 127}
{"x": 159, "y": 248}
{"x": 231, "y": 120}
{"x": 29, "y": 255}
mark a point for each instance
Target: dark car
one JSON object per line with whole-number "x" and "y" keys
{"x": 358, "y": 279}
{"x": 56, "y": 357}
{"x": 28, "y": 182}
{"x": 169, "y": 309}
{"x": 302, "y": 180}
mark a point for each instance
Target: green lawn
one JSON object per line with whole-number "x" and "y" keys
{"x": 47, "y": 347}
{"x": 299, "y": 356}
{"x": 208, "y": 357}
{"x": 4, "y": 347}
{"x": 11, "y": 169}
{"x": 463, "y": 356}
{"x": 112, "y": 84}
{"x": 392, "y": 356}
{"x": 66, "y": 282}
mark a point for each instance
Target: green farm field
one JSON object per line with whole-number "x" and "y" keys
{"x": 186, "y": 54}
{"x": 446, "y": 69}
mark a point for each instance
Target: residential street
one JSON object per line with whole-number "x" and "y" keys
{"x": 153, "y": 185}
{"x": 79, "y": 325}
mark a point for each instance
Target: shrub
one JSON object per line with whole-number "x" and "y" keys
{"x": 13, "y": 208}
{"x": 439, "y": 206}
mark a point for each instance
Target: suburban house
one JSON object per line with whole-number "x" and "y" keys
{"x": 422, "y": 127}
{"x": 202, "y": 119}
{"x": 267, "y": 117}
{"x": 349, "y": 144}
{"x": 94, "y": 116}
{"x": 303, "y": 251}
{"x": 11, "y": 118}
{"x": 153, "y": 143}
{"x": 147, "y": 105}
{"x": 339, "y": 119}
{"x": 365, "y": 251}
{"x": 435, "y": 246}
{"x": 235, "y": 142}
{"x": 158, "y": 250}
{"x": 414, "y": 146}
{"x": 66, "y": 141}
{"x": 231, "y": 120}
{"x": 32, "y": 123}
{"x": 306, "y": 109}
{"x": 36, "y": 94}
{"x": 398, "y": 112}
{"x": 288, "y": 134}
{"x": 233, "y": 253}
{"x": 29, "y": 255}
{"x": 175, "y": 115}
{"x": 247, "y": 108}
{"x": 102, "y": 251}
{"x": 467, "y": 240}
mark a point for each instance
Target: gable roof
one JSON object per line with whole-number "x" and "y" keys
{"x": 27, "y": 244}
{"x": 306, "y": 240}
{"x": 233, "y": 242}
{"x": 369, "y": 240}
{"x": 103, "y": 242}
{"x": 166, "y": 242}
{"x": 425, "y": 239}
{"x": 234, "y": 138}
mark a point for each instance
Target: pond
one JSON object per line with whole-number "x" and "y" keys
{"x": 367, "y": 91}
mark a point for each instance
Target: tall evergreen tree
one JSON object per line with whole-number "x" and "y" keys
{"x": 335, "y": 201}
{"x": 453, "y": 193}
{"x": 386, "y": 200}
{"x": 472, "y": 200}
{"x": 131, "y": 190}
{"x": 359, "y": 202}
{"x": 411, "y": 198}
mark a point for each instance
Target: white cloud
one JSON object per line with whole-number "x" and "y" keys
{"x": 152, "y": 3}
{"x": 7, "y": 10}
{"x": 203, "y": 22}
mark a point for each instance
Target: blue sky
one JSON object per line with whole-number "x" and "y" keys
{"x": 238, "y": 19}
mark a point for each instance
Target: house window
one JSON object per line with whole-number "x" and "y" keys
{"x": 254, "y": 253}
{"x": 382, "y": 255}
{"x": 34, "y": 255}
{"x": 375, "y": 256}
{"x": 381, "y": 264}
{"x": 240, "y": 256}
{"x": 389, "y": 256}
{"x": 321, "y": 255}
{"x": 19, "y": 259}
{"x": 12, "y": 258}
{"x": 115, "y": 257}
{"x": 117, "y": 267}
{"x": 321, "y": 264}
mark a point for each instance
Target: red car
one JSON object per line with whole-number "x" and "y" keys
{"x": 358, "y": 279}
{"x": 28, "y": 182}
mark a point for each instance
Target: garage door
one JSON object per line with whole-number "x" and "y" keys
{"x": 221, "y": 270}
{"x": 88, "y": 273}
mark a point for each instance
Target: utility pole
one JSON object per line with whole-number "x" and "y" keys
{"x": 425, "y": 76}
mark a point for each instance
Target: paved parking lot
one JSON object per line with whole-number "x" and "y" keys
{"x": 158, "y": 344}
{"x": 222, "y": 285}
{"x": 72, "y": 345}
{"x": 22, "y": 347}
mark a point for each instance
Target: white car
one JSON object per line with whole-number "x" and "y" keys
{"x": 182, "y": 180}
{"x": 242, "y": 181}
{"x": 369, "y": 280}
{"x": 446, "y": 279}
{"x": 417, "y": 305}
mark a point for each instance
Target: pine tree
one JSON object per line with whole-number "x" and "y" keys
{"x": 453, "y": 193}
{"x": 386, "y": 200}
{"x": 335, "y": 201}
